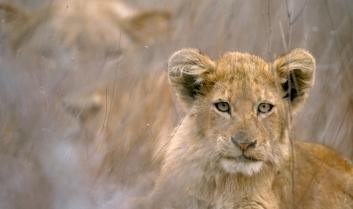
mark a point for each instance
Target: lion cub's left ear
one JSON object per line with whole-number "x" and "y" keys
{"x": 295, "y": 72}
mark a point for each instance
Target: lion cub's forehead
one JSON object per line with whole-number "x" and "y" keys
{"x": 244, "y": 73}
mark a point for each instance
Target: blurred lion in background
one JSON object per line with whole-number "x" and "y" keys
{"x": 233, "y": 148}
{"x": 78, "y": 37}
{"x": 88, "y": 26}
{"x": 118, "y": 125}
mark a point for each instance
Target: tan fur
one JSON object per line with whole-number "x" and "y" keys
{"x": 202, "y": 166}
{"x": 118, "y": 127}
{"x": 88, "y": 26}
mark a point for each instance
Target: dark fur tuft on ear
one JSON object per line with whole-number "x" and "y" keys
{"x": 188, "y": 70}
{"x": 295, "y": 72}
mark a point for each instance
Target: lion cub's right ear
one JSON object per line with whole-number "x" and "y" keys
{"x": 188, "y": 72}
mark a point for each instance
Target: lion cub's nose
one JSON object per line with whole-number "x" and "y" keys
{"x": 243, "y": 141}
{"x": 246, "y": 145}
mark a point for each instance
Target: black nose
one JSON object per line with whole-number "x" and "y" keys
{"x": 243, "y": 141}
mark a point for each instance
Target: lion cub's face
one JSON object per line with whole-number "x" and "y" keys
{"x": 238, "y": 105}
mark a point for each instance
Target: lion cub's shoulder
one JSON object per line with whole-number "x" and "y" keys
{"x": 322, "y": 155}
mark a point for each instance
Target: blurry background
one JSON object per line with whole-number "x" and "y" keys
{"x": 84, "y": 100}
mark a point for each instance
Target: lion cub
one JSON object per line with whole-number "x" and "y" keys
{"x": 233, "y": 150}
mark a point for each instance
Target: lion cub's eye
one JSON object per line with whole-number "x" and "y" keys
{"x": 222, "y": 106}
{"x": 264, "y": 107}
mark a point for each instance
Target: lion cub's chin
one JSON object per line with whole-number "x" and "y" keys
{"x": 246, "y": 168}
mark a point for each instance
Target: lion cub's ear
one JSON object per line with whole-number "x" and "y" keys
{"x": 188, "y": 72}
{"x": 295, "y": 72}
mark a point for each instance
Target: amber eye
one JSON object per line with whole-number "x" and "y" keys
{"x": 222, "y": 106}
{"x": 264, "y": 107}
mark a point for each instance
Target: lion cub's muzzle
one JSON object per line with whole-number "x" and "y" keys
{"x": 243, "y": 141}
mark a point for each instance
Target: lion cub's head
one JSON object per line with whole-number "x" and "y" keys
{"x": 238, "y": 106}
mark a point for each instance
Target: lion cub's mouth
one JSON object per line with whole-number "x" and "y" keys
{"x": 241, "y": 158}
